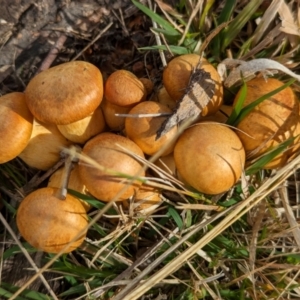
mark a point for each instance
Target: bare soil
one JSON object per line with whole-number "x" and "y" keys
{"x": 30, "y": 29}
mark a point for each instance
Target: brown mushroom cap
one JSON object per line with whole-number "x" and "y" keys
{"x": 167, "y": 164}
{"x": 65, "y": 93}
{"x": 49, "y": 223}
{"x": 164, "y": 98}
{"x": 221, "y": 116}
{"x": 177, "y": 74}
{"x": 82, "y": 130}
{"x": 105, "y": 149}
{"x": 148, "y": 84}
{"x": 16, "y": 125}
{"x": 123, "y": 88}
{"x": 271, "y": 122}
{"x": 110, "y": 110}
{"x": 145, "y": 200}
{"x": 44, "y": 146}
{"x": 143, "y": 130}
{"x": 209, "y": 157}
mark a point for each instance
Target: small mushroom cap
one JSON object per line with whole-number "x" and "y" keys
{"x": 44, "y": 147}
{"x": 110, "y": 110}
{"x": 49, "y": 223}
{"x": 221, "y": 116}
{"x": 107, "y": 149}
{"x": 123, "y": 88}
{"x": 164, "y": 98}
{"x": 167, "y": 164}
{"x": 210, "y": 157}
{"x": 16, "y": 125}
{"x": 177, "y": 74}
{"x": 65, "y": 93}
{"x": 148, "y": 84}
{"x": 271, "y": 122}
{"x": 82, "y": 130}
{"x": 146, "y": 200}
{"x": 143, "y": 130}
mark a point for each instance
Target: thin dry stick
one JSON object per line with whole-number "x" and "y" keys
{"x": 43, "y": 279}
{"x": 266, "y": 188}
{"x": 290, "y": 215}
{"x": 124, "y": 293}
{"x": 158, "y": 41}
{"x": 127, "y": 273}
{"x": 293, "y": 281}
{"x": 192, "y": 16}
{"x": 175, "y": 25}
{"x": 52, "y": 53}
{"x": 93, "y": 41}
{"x": 138, "y": 116}
{"x": 200, "y": 278}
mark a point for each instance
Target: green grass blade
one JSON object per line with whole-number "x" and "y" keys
{"x": 15, "y": 249}
{"x": 155, "y": 17}
{"x": 174, "y": 49}
{"x": 235, "y": 27}
{"x": 247, "y": 109}
{"x": 206, "y": 9}
{"x": 260, "y": 163}
{"x": 7, "y": 290}
{"x": 176, "y": 217}
{"x": 224, "y": 17}
{"x": 227, "y": 11}
{"x": 167, "y": 33}
{"x": 239, "y": 106}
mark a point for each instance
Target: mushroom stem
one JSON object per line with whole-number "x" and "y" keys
{"x": 72, "y": 158}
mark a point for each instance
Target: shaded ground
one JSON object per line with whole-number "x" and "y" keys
{"x": 29, "y": 29}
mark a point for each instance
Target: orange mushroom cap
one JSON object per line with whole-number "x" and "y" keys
{"x": 49, "y": 223}
{"x": 65, "y": 93}
{"x": 16, "y": 125}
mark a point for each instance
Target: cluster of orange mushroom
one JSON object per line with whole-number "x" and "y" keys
{"x": 116, "y": 125}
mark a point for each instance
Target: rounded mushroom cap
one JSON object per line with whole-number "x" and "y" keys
{"x": 49, "y": 223}
{"x": 65, "y": 93}
{"x": 210, "y": 157}
{"x": 148, "y": 85}
{"x": 145, "y": 200}
{"x": 176, "y": 77}
{"x": 109, "y": 110}
{"x": 124, "y": 88}
{"x": 167, "y": 164}
{"x": 16, "y": 125}
{"x": 107, "y": 150}
{"x": 271, "y": 122}
{"x": 143, "y": 130}
{"x": 221, "y": 116}
{"x": 82, "y": 130}
{"x": 164, "y": 98}
{"x": 44, "y": 146}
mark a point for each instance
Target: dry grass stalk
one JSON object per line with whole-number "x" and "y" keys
{"x": 265, "y": 189}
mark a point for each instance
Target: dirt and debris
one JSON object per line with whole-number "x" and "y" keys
{"x": 29, "y": 29}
